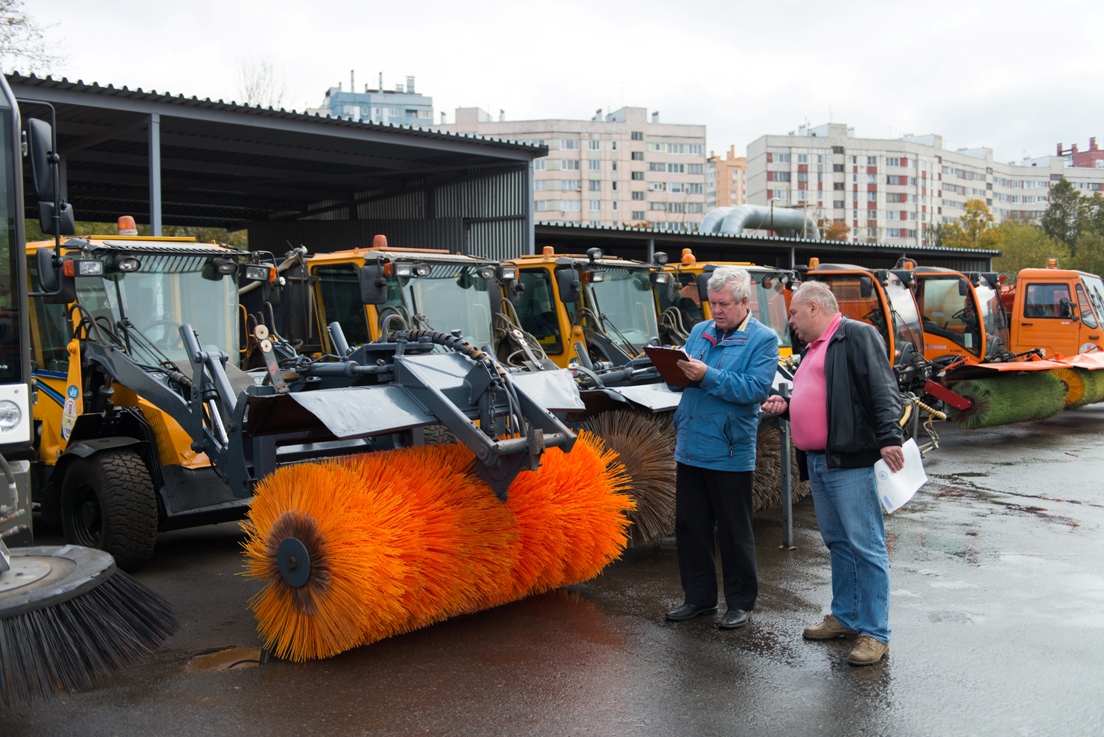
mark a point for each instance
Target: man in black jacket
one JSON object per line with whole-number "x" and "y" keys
{"x": 844, "y": 412}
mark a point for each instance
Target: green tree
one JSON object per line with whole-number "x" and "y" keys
{"x": 1089, "y": 247}
{"x": 1064, "y": 214}
{"x": 975, "y": 229}
{"x": 1026, "y": 246}
{"x": 238, "y": 239}
{"x": 934, "y": 233}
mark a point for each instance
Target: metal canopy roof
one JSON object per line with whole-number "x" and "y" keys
{"x": 223, "y": 164}
{"x": 641, "y": 243}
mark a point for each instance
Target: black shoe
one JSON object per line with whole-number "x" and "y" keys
{"x": 689, "y": 611}
{"x": 734, "y": 619}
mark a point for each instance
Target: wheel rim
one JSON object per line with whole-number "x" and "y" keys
{"x": 85, "y": 516}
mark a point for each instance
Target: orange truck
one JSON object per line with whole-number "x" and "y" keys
{"x": 1056, "y": 312}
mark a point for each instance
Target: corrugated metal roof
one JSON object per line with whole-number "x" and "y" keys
{"x": 226, "y": 164}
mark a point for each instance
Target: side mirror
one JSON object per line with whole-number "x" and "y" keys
{"x": 570, "y": 288}
{"x": 66, "y": 224}
{"x": 866, "y": 287}
{"x": 40, "y": 142}
{"x": 57, "y": 288}
{"x": 373, "y": 285}
{"x": 963, "y": 288}
{"x": 703, "y": 286}
{"x": 1065, "y": 308}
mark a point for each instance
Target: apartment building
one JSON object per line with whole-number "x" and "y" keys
{"x": 400, "y": 106}
{"x": 725, "y": 180}
{"x": 892, "y": 190}
{"x": 622, "y": 168}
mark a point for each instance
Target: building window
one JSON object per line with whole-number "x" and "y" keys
{"x": 569, "y": 144}
{"x": 595, "y": 205}
{"x": 694, "y": 188}
{"x": 637, "y": 135}
{"x": 676, "y": 168}
{"x": 570, "y": 185}
{"x": 696, "y": 149}
{"x": 697, "y": 169}
{"x": 653, "y": 166}
{"x": 838, "y": 186}
{"x": 838, "y": 168}
{"x": 569, "y": 164}
{"x": 638, "y": 195}
{"x": 837, "y": 149}
{"x": 871, "y": 160}
{"x": 594, "y": 165}
{"x": 614, "y": 186}
{"x": 540, "y": 164}
{"x": 803, "y": 158}
{"x": 676, "y": 187}
{"x": 594, "y": 145}
{"x": 837, "y": 204}
{"x": 595, "y": 185}
{"x": 637, "y": 155}
{"x": 614, "y": 205}
{"x": 638, "y": 176}
{"x": 637, "y": 214}
{"x": 571, "y": 205}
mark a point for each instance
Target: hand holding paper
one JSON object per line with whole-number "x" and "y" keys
{"x": 894, "y": 489}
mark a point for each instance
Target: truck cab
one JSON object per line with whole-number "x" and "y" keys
{"x": 1057, "y": 311}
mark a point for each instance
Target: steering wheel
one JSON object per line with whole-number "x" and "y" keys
{"x": 960, "y": 315}
{"x": 171, "y": 338}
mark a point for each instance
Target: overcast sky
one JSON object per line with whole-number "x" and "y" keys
{"x": 1018, "y": 77}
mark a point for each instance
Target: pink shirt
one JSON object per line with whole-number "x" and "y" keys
{"x": 809, "y": 402}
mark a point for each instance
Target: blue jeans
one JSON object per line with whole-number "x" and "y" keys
{"x": 850, "y": 519}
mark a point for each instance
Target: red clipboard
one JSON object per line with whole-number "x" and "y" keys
{"x": 666, "y": 361}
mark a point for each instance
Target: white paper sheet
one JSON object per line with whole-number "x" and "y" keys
{"x": 894, "y": 489}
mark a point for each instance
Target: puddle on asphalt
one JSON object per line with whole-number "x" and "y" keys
{"x": 230, "y": 658}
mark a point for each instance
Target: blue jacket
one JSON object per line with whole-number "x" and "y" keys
{"x": 718, "y": 418}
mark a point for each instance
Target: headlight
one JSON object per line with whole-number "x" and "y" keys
{"x": 10, "y": 416}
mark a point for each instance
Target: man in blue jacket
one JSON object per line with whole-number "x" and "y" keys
{"x": 731, "y": 366}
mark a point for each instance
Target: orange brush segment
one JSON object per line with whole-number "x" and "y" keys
{"x": 455, "y": 538}
{"x": 351, "y": 561}
{"x": 571, "y": 514}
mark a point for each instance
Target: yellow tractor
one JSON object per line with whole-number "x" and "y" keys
{"x": 113, "y": 469}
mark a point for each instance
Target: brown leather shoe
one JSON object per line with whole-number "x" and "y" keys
{"x": 829, "y": 629}
{"x": 867, "y": 651}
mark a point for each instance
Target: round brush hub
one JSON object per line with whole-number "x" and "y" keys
{"x": 294, "y": 562}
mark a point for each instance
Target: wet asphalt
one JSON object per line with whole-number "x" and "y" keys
{"x": 997, "y": 611}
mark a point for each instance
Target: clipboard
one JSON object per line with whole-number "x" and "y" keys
{"x": 666, "y": 360}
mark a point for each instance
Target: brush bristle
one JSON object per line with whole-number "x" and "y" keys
{"x": 1074, "y": 381}
{"x": 68, "y": 646}
{"x": 1004, "y": 400}
{"x": 410, "y": 537}
{"x": 645, "y": 445}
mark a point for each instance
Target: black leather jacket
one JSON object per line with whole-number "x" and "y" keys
{"x": 864, "y": 404}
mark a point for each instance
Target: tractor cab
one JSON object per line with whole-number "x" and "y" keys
{"x": 604, "y": 304}
{"x": 374, "y": 292}
{"x": 686, "y": 301}
{"x": 883, "y": 299}
{"x": 961, "y": 314}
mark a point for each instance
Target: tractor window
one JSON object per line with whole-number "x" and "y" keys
{"x": 946, "y": 312}
{"x": 1087, "y": 316}
{"x": 339, "y": 301}
{"x": 858, "y": 300}
{"x": 49, "y": 329}
{"x": 537, "y": 310}
{"x": 1095, "y": 289}
{"x": 1044, "y": 300}
{"x": 453, "y": 297}
{"x": 993, "y": 316}
{"x": 768, "y": 304}
{"x": 906, "y": 318}
{"x": 624, "y": 302}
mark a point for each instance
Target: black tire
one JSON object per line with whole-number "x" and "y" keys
{"x": 108, "y": 502}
